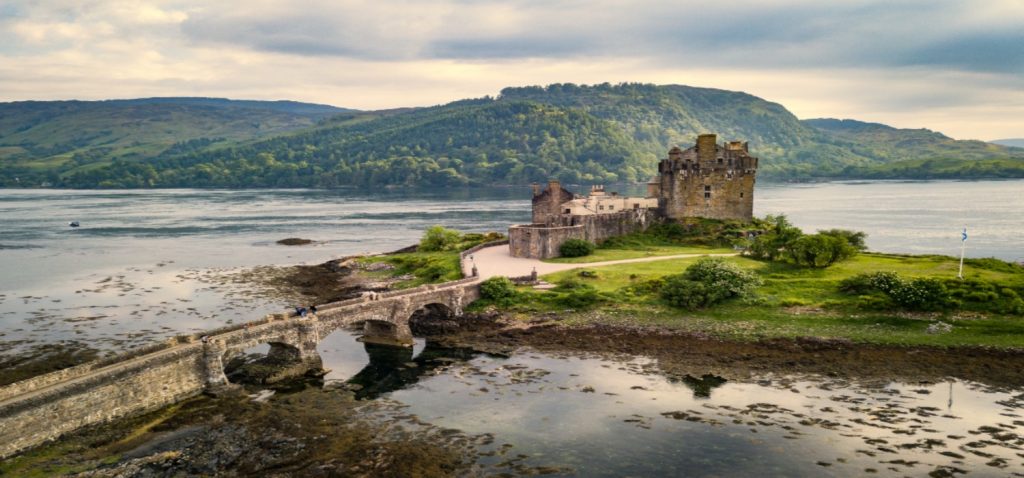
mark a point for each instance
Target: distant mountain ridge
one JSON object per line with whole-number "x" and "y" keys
{"x": 1014, "y": 142}
{"x": 579, "y": 134}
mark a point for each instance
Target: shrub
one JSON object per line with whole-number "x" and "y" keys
{"x": 771, "y": 245}
{"x": 820, "y": 250}
{"x": 582, "y": 297}
{"x": 728, "y": 278}
{"x": 916, "y": 294}
{"x": 921, "y": 294}
{"x": 651, "y": 286}
{"x": 433, "y": 272}
{"x": 498, "y": 289}
{"x": 569, "y": 284}
{"x": 707, "y": 282}
{"x": 438, "y": 238}
{"x": 684, "y": 293}
{"x": 857, "y": 239}
{"x": 576, "y": 248}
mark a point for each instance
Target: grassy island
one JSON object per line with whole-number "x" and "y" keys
{"x": 865, "y": 297}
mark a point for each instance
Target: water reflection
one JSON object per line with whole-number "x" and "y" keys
{"x": 394, "y": 368}
{"x": 597, "y": 416}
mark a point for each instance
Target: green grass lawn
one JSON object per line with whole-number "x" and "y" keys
{"x": 426, "y": 267}
{"x": 601, "y": 255}
{"x": 792, "y": 302}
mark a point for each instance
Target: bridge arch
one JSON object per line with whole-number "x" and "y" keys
{"x": 433, "y": 318}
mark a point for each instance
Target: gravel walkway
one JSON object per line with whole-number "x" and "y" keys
{"x": 496, "y": 261}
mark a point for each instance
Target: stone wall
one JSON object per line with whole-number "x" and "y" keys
{"x": 599, "y": 227}
{"x": 538, "y": 241}
{"x": 142, "y": 384}
{"x": 731, "y": 195}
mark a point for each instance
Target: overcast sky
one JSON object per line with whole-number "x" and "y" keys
{"x": 951, "y": 66}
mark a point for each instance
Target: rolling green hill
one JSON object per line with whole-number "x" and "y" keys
{"x": 38, "y": 138}
{"x": 579, "y": 134}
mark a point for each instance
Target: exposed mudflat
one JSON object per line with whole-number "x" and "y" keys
{"x": 683, "y": 354}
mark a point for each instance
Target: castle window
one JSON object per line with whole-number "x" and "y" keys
{"x": 719, "y": 160}
{"x": 707, "y": 192}
{"x": 741, "y": 194}
{"x": 601, "y": 207}
{"x": 568, "y": 211}
{"x": 611, "y": 208}
{"x": 636, "y": 206}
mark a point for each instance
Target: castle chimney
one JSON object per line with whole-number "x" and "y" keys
{"x": 675, "y": 153}
{"x": 706, "y": 147}
{"x": 536, "y": 189}
{"x": 554, "y": 186}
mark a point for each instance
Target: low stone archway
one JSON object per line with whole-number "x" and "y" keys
{"x": 384, "y": 332}
{"x": 280, "y": 361}
{"x": 433, "y": 319}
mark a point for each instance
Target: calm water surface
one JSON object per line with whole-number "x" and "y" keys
{"x": 140, "y": 268}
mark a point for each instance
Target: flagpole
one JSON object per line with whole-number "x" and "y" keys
{"x": 963, "y": 247}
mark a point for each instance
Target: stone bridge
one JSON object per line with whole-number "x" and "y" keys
{"x": 43, "y": 408}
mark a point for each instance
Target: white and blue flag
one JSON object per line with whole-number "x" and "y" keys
{"x": 963, "y": 235}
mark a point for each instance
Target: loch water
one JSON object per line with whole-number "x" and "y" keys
{"x": 145, "y": 265}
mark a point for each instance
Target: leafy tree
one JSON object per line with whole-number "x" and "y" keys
{"x": 820, "y": 250}
{"x": 771, "y": 244}
{"x": 438, "y": 238}
{"x": 856, "y": 239}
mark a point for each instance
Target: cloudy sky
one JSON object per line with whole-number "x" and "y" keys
{"x": 951, "y": 66}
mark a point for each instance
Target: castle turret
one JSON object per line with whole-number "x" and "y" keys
{"x": 547, "y": 204}
{"x": 706, "y": 148}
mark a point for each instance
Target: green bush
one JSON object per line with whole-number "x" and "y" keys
{"x": 708, "y": 282}
{"x": 686, "y": 294}
{"x": 771, "y": 245}
{"x": 857, "y": 239}
{"x": 438, "y": 238}
{"x": 579, "y": 298}
{"x": 650, "y": 286}
{"x": 726, "y": 277}
{"x": 576, "y": 248}
{"x": 921, "y": 293}
{"x": 498, "y": 289}
{"x": 433, "y": 272}
{"x": 569, "y": 284}
{"x": 820, "y": 250}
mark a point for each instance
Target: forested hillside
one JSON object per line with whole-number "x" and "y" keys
{"x": 40, "y": 140}
{"x": 579, "y": 134}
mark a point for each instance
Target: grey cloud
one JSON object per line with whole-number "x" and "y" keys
{"x": 994, "y": 51}
{"x": 789, "y": 34}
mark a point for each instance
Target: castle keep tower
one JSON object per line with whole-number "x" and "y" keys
{"x": 708, "y": 180}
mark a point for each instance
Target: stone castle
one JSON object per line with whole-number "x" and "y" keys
{"x": 707, "y": 180}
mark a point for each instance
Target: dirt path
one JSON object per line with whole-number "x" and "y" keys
{"x": 496, "y": 261}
